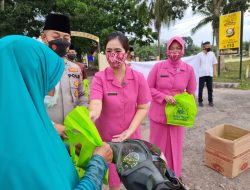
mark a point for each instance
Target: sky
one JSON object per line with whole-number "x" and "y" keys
{"x": 183, "y": 28}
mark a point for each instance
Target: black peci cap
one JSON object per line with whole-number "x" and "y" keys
{"x": 57, "y": 22}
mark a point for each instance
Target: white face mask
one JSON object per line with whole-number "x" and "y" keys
{"x": 51, "y": 101}
{"x": 40, "y": 40}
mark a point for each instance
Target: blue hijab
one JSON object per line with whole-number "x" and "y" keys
{"x": 32, "y": 155}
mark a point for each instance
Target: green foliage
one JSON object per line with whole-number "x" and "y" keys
{"x": 190, "y": 47}
{"x": 22, "y": 17}
{"x": 231, "y": 74}
{"x": 71, "y": 6}
{"x": 233, "y": 6}
{"x": 245, "y": 48}
{"x": 188, "y": 42}
{"x": 162, "y": 12}
{"x": 102, "y": 17}
{"x": 149, "y": 52}
{"x": 97, "y": 17}
{"x": 144, "y": 52}
{"x": 212, "y": 9}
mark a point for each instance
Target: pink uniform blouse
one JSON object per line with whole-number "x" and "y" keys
{"x": 119, "y": 100}
{"x": 168, "y": 79}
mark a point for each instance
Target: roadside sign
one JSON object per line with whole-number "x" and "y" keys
{"x": 230, "y": 33}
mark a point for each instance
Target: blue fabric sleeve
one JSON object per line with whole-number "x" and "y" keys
{"x": 95, "y": 172}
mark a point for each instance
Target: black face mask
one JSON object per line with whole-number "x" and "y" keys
{"x": 71, "y": 56}
{"x": 59, "y": 46}
{"x": 208, "y": 49}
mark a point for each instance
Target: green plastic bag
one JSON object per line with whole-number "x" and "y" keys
{"x": 183, "y": 113}
{"x": 81, "y": 130}
{"x": 86, "y": 87}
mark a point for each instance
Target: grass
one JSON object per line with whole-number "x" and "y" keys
{"x": 231, "y": 74}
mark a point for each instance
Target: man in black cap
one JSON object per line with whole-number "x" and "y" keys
{"x": 56, "y": 33}
{"x": 68, "y": 93}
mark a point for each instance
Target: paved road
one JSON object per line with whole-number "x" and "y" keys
{"x": 231, "y": 106}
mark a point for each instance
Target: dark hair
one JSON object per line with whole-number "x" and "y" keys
{"x": 121, "y": 37}
{"x": 131, "y": 48}
{"x": 205, "y": 43}
{"x": 72, "y": 47}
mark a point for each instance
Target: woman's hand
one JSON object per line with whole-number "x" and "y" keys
{"x": 95, "y": 108}
{"x": 170, "y": 100}
{"x": 61, "y": 130}
{"x": 105, "y": 151}
{"x": 121, "y": 137}
{"x": 94, "y": 115}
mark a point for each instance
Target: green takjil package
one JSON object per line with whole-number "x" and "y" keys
{"x": 86, "y": 87}
{"x": 81, "y": 130}
{"x": 184, "y": 112}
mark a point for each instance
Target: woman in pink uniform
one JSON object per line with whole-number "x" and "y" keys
{"x": 119, "y": 98}
{"x": 166, "y": 79}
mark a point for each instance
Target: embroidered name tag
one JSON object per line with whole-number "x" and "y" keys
{"x": 74, "y": 76}
{"x": 112, "y": 93}
{"x": 164, "y": 75}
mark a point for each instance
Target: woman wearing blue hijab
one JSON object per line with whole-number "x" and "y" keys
{"x": 32, "y": 154}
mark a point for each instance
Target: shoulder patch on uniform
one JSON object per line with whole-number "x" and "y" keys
{"x": 76, "y": 83}
{"x": 73, "y": 70}
{"x": 76, "y": 93}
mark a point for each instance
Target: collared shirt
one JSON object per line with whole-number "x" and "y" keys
{"x": 167, "y": 80}
{"x": 119, "y": 100}
{"x": 70, "y": 93}
{"x": 206, "y": 62}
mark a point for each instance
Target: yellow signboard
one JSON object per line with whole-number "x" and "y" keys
{"x": 85, "y": 35}
{"x": 229, "y": 39}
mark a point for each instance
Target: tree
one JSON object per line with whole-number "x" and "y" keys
{"x": 2, "y": 5}
{"x": 22, "y": 16}
{"x": 188, "y": 42}
{"x": 98, "y": 17}
{"x": 144, "y": 52}
{"x": 148, "y": 52}
{"x": 212, "y": 9}
{"x": 245, "y": 48}
{"x": 190, "y": 48}
{"x": 162, "y": 12}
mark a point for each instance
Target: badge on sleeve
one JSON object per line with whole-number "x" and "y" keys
{"x": 76, "y": 93}
{"x": 76, "y": 83}
{"x": 73, "y": 70}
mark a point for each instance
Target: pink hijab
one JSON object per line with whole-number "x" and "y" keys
{"x": 181, "y": 42}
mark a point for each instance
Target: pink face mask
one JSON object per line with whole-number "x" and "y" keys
{"x": 174, "y": 55}
{"x": 115, "y": 59}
